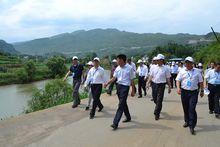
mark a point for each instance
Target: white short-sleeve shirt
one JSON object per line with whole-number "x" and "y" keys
{"x": 124, "y": 75}
{"x": 213, "y": 77}
{"x": 96, "y": 76}
{"x": 142, "y": 70}
{"x": 160, "y": 74}
{"x": 189, "y": 79}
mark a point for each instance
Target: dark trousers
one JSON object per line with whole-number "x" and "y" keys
{"x": 122, "y": 92}
{"x": 189, "y": 101}
{"x": 141, "y": 85}
{"x": 214, "y": 97}
{"x": 153, "y": 90}
{"x": 96, "y": 93}
{"x": 76, "y": 85}
{"x": 110, "y": 88}
{"x": 158, "y": 97}
{"x": 173, "y": 79}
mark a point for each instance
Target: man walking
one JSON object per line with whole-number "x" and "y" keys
{"x": 160, "y": 75}
{"x": 76, "y": 70}
{"x": 188, "y": 80}
{"x": 212, "y": 77}
{"x": 142, "y": 72}
{"x": 124, "y": 75}
{"x": 96, "y": 77}
{"x": 111, "y": 86}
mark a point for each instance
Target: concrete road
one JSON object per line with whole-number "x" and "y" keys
{"x": 63, "y": 126}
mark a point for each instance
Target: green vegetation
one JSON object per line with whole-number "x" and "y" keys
{"x": 173, "y": 50}
{"x": 17, "y": 70}
{"x": 57, "y": 67}
{"x": 56, "y": 92}
{"x": 209, "y": 54}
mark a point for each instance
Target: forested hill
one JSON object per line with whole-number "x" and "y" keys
{"x": 105, "y": 42}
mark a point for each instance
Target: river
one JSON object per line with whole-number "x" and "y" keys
{"x": 14, "y": 98}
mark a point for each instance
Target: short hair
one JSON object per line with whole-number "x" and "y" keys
{"x": 217, "y": 63}
{"x": 122, "y": 56}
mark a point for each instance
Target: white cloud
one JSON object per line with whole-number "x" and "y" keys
{"x": 27, "y": 19}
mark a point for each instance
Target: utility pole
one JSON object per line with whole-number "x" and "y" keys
{"x": 215, "y": 35}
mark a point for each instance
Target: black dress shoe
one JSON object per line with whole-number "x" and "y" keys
{"x": 210, "y": 112}
{"x": 185, "y": 125}
{"x": 74, "y": 106}
{"x": 126, "y": 120}
{"x": 157, "y": 117}
{"x": 139, "y": 96}
{"x": 152, "y": 99}
{"x": 100, "y": 109}
{"x": 87, "y": 108}
{"x": 192, "y": 131}
{"x": 91, "y": 117}
{"x": 217, "y": 115}
{"x": 114, "y": 127}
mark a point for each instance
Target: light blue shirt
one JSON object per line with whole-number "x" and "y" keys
{"x": 124, "y": 75}
{"x": 189, "y": 79}
{"x": 213, "y": 77}
{"x": 174, "y": 69}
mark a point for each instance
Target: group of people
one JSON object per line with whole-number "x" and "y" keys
{"x": 187, "y": 78}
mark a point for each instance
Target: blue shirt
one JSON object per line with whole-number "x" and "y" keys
{"x": 213, "y": 77}
{"x": 77, "y": 71}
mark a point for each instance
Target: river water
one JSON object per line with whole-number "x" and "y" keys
{"x": 14, "y": 98}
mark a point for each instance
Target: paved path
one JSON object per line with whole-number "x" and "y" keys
{"x": 62, "y": 126}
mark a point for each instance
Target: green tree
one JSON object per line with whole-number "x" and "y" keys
{"x": 57, "y": 67}
{"x": 30, "y": 69}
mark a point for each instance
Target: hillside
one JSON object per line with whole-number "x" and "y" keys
{"x": 103, "y": 42}
{"x": 7, "y": 48}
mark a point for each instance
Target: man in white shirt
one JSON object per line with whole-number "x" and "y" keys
{"x": 188, "y": 80}
{"x": 174, "y": 71}
{"x": 96, "y": 77}
{"x": 125, "y": 78}
{"x": 152, "y": 84}
{"x": 212, "y": 77}
{"x": 134, "y": 68}
{"x": 142, "y": 72}
{"x": 88, "y": 87}
{"x": 160, "y": 75}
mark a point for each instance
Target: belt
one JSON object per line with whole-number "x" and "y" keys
{"x": 190, "y": 90}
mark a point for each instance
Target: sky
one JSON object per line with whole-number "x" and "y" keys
{"x": 22, "y": 20}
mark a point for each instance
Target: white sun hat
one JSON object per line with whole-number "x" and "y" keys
{"x": 200, "y": 64}
{"x": 75, "y": 58}
{"x": 140, "y": 61}
{"x": 190, "y": 59}
{"x": 114, "y": 60}
{"x": 96, "y": 59}
{"x": 89, "y": 63}
{"x": 160, "y": 57}
{"x": 155, "y": 58}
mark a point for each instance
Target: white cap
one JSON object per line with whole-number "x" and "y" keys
{"x": 155, "y": 58}
{"x": 160, "y": 57}
{"x": 75, "y": 58}
{"x": 190, "y": 59}
{"x": 200, "y": 64}
{"x": 114, "y": 60}
{"x": 96, "y": 59}
{"x": 140, "y": 61}
{"x": 173, "y": 63}
{"x": 89, "y": 63}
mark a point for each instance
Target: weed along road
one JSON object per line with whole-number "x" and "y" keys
{"x": 64, "y": 126}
